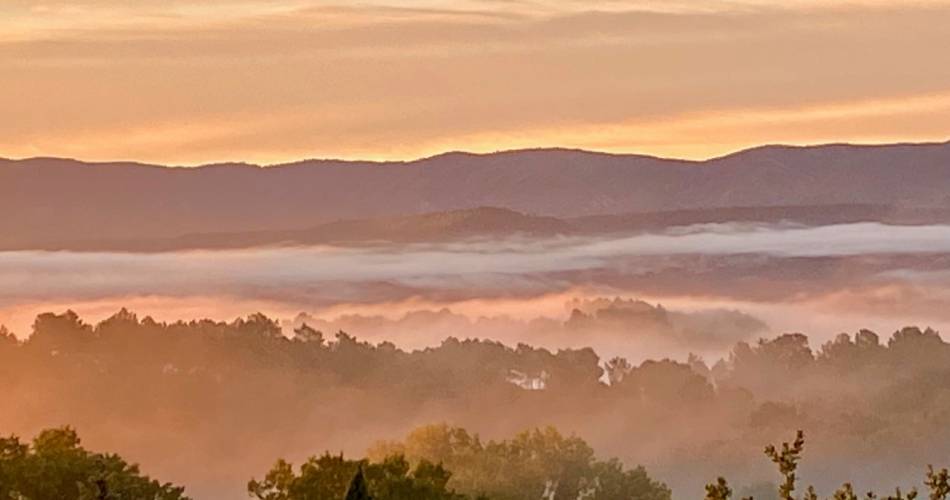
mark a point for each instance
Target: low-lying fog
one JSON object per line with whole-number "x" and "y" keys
{"x": 210, "y": 405}
{"x": 820, "y": 280}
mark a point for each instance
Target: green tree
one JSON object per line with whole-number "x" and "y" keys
{"x": 12, "y": 457}
{"x": 938, "y": 482}
{"x": 55, "y": 467}
{"x": 533, "y": 464}
{"x": 332, "y": 477}
{"x": 787, "y": 459}
{"x": 719, "y": 490}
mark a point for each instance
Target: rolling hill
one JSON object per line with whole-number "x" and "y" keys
{"x": 46, "y": 201}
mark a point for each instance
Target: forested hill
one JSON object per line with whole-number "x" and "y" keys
{"x": 208, "y": 404}
{"x": 66, "y": 200}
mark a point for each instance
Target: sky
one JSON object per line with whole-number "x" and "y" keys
{"x": 269, "y": 81}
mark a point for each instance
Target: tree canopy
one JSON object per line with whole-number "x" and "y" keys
{"x": 866, "y": 399}
{"x": 539, "y": 463}
{"x": 333, "y": 477}
{"x": 54, "y": 466}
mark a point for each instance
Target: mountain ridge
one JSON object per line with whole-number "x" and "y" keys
{"x": 493, "y": 223}
{"x": 53, "y": 201}
{"x": 473, "y": 154}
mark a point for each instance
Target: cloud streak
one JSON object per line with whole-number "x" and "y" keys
{"x": 725, "y": 265}
{"x": 271, "y": 81}
{"x": 485, "y": 265}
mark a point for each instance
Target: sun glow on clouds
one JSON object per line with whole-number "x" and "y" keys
{"x": 277, "y": 80}
{"x": 710, "y": 134}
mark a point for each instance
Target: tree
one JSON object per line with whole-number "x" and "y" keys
{"x": 55, "y": 466}
{"x": 12, "y": 457}
{"x": 332, "y": 477}
{"x": 617, "y": 368}
{"x": 719, "y": 490}
{"x": 307, "y": 334}
{"x": 533, "y": 464}
{"x": 787, "y": 458}
{"x": 7, "y": 338}
{"x": 358, "y": 489}
{"x": 938, "y": 482}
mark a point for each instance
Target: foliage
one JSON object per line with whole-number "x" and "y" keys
{"x": 358, "y": 489}
{"x": 938, "y": 482}
{"x": 533, "y": 464}
{"x": 332, "y": 477}
{"x": 55, "y": 467}
{"x": 869, "y": 398}
{"x": 719, "y": 490}
{"x": 787, "y": 461}
{"x": 787, "y": 458}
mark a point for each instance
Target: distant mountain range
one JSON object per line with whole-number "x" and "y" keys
{"x": 66, "y": 204}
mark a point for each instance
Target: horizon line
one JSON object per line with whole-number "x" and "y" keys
{"x": 461, "y": 152}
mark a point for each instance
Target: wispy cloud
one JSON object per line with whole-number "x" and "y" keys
{"x": 328, "y": 275}
{"x": 270, "y": 81}
{"x": 821, "y": 279}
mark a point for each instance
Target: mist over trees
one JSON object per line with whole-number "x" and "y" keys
{"x": 210, "y": 404}
{"x": 649, "y": 328}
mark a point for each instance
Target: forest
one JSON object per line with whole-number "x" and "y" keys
{"x": 209, "y": 405}
{"x": 532, "y": 464}
{"x": 536, "y": 464}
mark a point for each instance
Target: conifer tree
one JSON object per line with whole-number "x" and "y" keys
{"x": 358, "y": 489}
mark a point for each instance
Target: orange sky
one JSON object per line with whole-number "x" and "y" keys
{"x": 266, "y": 81}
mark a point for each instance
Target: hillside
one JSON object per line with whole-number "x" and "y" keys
{"x": 56, "y": 200}
{"x": 490, "y": 222}
{"x": 431, "y": 227}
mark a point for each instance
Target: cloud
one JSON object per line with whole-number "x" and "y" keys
{"x": 484, "y": 264}
{"x": 272, "y": 81}
{"x": 753, "y": 268}
{"x": 491, "y": 267}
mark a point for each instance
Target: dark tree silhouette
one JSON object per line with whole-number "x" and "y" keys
{"x": 358, "y": 489}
